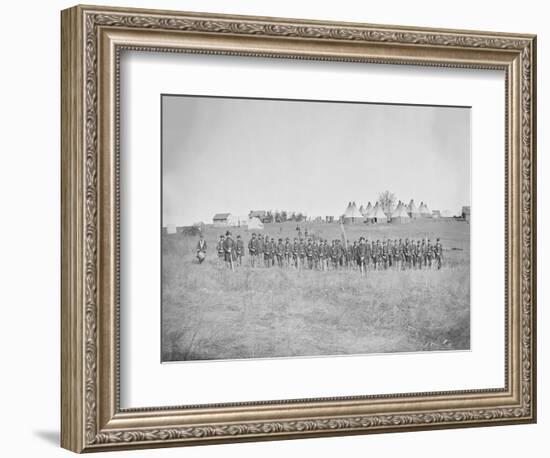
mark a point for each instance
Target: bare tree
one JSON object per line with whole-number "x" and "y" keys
{"x": 387, "y": 201}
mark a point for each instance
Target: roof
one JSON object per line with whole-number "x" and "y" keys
{"x": 257, "y": 213}
{"x": 221, "y": 216}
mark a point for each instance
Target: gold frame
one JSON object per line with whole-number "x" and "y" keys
{"x": 92, "y": 38}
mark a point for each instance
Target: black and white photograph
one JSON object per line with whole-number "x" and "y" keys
{"x": 299, "y": 228}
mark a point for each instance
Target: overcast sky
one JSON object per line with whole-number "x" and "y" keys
{"x": 223, "y": 155}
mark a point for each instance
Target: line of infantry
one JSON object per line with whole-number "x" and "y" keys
{"x": 318, "y": 254}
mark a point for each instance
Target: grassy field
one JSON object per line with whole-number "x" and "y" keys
{"x": 210, "y": 312}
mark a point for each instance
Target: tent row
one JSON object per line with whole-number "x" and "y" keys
{"x": 375, "y": 214}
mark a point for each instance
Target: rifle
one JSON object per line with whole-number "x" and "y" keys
{"x": 231, "y": 260}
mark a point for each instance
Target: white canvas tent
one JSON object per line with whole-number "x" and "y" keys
{"x": 424, "y": 210}
{"x": 412, "y": 209}
{"x": 378, "y": 215}
{"x": 367, "y": 212}
{"x": 171, "y": 229}
{"x": 255, "y": 223}
{"x": 400, "y": 214}
{"x": 352, "y": 214}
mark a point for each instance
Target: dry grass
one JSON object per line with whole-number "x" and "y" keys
{"x": 210, "y": 312}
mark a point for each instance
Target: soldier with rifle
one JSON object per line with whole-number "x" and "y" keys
{"x": 438, "y": 253}
{"x": 315, "y": 255}
{"x": 418, "y": 255}
{"x": 253, "y": 250}
{"x": 280, "y": 252}
{"x": 229, "y": 250}
{"x": 239, "y": 250}
{"x": 385, "y": 254}
{"x": 361, "y": 254}
{"x": 295, "y": 252}
{"x": 309, "y": 254}
{"x": 429, "y": 254}
{"x": 220, "y": 250}
{"x": 288, "y": 252}
{"x": 301, "y": 254}
{"x": 260, "y": 249}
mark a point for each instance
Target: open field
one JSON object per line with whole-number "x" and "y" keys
{"x": 210, "y": 312}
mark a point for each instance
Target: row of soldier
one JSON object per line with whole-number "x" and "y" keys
{"x": 319, "y": 254}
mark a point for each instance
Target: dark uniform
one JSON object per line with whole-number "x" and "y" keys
{"x": 229, "y": 250}
{"x": 322, "y": 255}
{"x": 261, "y": 248}
{"x": 385, "y": 254}
{"x": 376, "y": 254}
{"x": 361, "y": 256}
{"x": 429, "y": 254}
{"x": 220, "y": 250}
{"x": 400, "y": 257}
{"x": 423, "y": 254}
{"x": 295, "y": 252}
{"x": 341, "y": 253}
{"x": 309, "y": 254}
{"x": 315, "y": 254}
{"x": 253, "y": 250}
{"x": 334, "y": 254}
{"x": 354, "y": 248}
{"x": 239, "y": 250}
{"x": 414, "y": 254}
{"x": 201, "y": 250}
{"x": 280, "y": 252}
{"x": 438, "y": 253}
{"x": 288, "y": 251}
{"x": 349, "y": 256}
{"x": 407, "y": 253}
{"x": 301, "y": 253}
{"x": 391, "y": 252}
{"x": 368, "y": 256}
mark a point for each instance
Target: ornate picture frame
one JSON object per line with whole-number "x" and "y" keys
{"x": 92, "y": 40}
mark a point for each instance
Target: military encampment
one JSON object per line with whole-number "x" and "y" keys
{"x": 328, "y": 228}
{"x": 397, "y": 282}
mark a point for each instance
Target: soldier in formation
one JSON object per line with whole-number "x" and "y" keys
{"x": 321, "y": 254}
